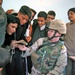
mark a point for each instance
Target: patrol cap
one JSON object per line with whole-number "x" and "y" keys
{"x": 3, "y": 21}
{"x": 4, "y": 57}
{"x": 25, "y": 10}
{"x": 58, "y": 25}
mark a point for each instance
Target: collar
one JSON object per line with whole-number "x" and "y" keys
{"x": 43, "y": 27}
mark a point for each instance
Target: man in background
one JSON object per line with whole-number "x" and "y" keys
{"x": 4, "y": 54}
{"x": 3, "y": 21}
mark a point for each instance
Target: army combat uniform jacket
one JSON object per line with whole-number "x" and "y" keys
{"x": 47, "y": 57}
{"x": 3, "y": 22}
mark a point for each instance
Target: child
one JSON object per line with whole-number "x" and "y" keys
{"x": 17, "y": 66}
{"x": 41, "y": 26}
{"x": 51, "y": 15}
{"x": 12, "y": 24}
{"x": 70, "y": 42}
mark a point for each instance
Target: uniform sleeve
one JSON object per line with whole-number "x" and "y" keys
{"x": 3, "y": 21}
{"x": 61, "y": 63}
{"x": 34, "y": 47}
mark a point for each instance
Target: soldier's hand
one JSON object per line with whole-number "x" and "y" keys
{"x": 22, "y": 47}
{"x": 72, "y": 57}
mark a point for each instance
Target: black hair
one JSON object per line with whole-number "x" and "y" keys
{"x": 12, "y": 19}
{"x": 15, "y": 14}
{"x": 71, "y": 9}
{"x": 42, "y": 14}
{"x": 51, "y": 12}
{"x": 33, "y": 11}
{"x": 25, "y": 10}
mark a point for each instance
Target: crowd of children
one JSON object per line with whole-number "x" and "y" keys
{"x": 35, "y": 47}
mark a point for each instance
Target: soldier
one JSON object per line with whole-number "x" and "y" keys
{"x": 49, "y": 55}
{"x": 4, "y": 58}
{"x": 3, "y": 21}
{"x": 4, "y": 54}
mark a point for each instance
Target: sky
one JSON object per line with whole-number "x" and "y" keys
{"x": 59, "y": 6}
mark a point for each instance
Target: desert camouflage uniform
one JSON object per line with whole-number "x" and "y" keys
{"x": 47, "y": 57}
{"x": 3, "y": 21}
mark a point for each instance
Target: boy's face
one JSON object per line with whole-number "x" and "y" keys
{"x": 41, "y": 21}
{"x": 11, "y": 28}
{"x": 23, "y": 18}
{"x": 50, "y": 18}
{"x": 71, "y": 16}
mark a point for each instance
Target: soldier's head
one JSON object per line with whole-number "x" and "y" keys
{"x": 56, "y": 28}
{"x": 24, "y": 14}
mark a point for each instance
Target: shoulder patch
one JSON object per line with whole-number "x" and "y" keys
{"x": 63, "y": 47}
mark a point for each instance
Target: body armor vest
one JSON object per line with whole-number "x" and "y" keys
{"x": 45, "y": 58}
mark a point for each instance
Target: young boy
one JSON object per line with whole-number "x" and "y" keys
{"x": 70, "y": 42}
{"x": 41, "y": 26}
{"x": 17, "y": 65}
{"x": 49, "y": 55}
{"x": 51, "y": 15}
{"x": 3, "y": 21}
{"x": 28, "y": 34}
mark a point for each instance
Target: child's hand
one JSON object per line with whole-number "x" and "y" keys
{"x": 13, "y": 44}
{"x": 28, "y": 38}
{"x": 22, "y": 47}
